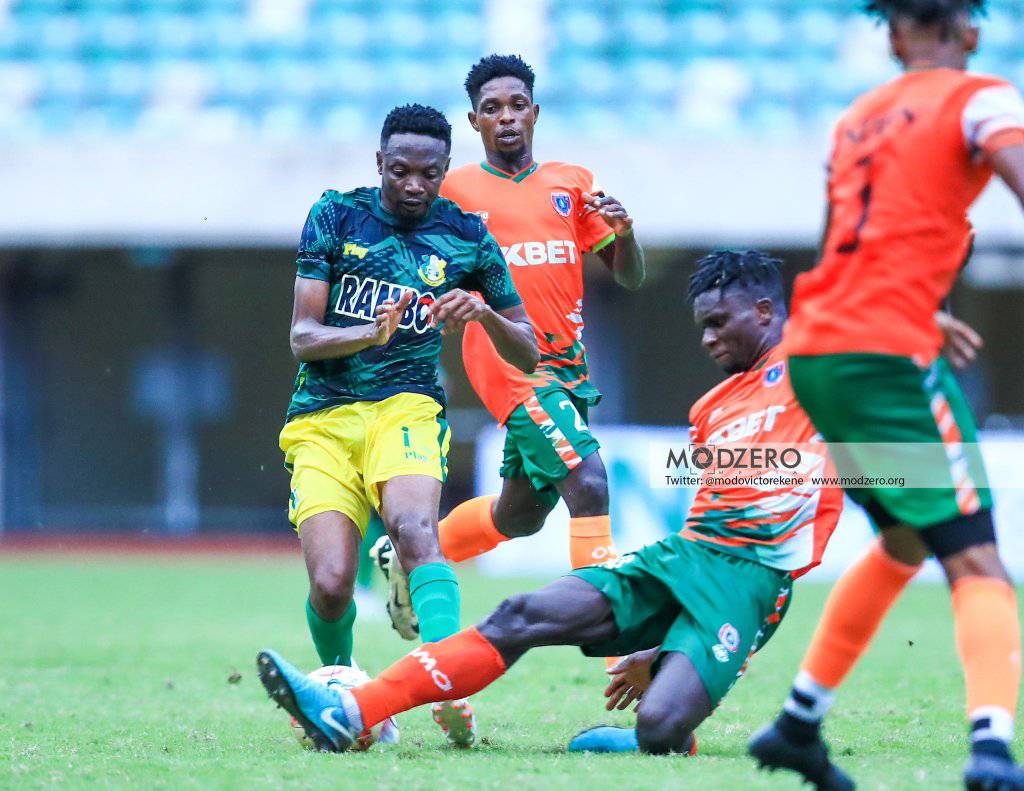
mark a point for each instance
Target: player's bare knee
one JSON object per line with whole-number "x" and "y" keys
{"x": 661, "y": 729}
{"x": 663, "y": 726}
{"x": 586, "y": 491}
{"x": 415, "y": 538}
{"x": 904, "y": 545}
{"x": 520, "y": 525}
{"x": 980, "y": 560}
{"x": 331, "y": 588}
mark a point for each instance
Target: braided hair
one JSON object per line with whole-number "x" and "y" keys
{"x": 750, "y": 270}
{"x": 925, "y": 12}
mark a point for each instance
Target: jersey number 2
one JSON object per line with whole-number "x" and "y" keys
{"x": 578, "y": 423}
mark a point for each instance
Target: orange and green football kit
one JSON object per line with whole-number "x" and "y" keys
{"x": 718, "y": 590}
{"x": 909, "y": 159}
{"x": 717, "y": 603}
{"x": 543, "y": 227}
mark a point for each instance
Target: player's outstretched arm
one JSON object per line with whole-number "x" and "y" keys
{"x": 624, "y": 256}
{"x": 1008, "y": 164}
{"x": 510, "y": 330}
{"x": 312, "y": 340}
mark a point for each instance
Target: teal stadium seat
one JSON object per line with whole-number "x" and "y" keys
{"x": 725, "y": 67}
{"x": 761, "y": 31}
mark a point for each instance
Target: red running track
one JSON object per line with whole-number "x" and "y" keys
{"x": 229, "y": 544}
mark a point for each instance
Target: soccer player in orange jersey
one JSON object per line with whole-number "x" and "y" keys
{"x": 699, "y": 603}
{"x": 545, "y": 216}
{"x": 909, "y": 158}
{"x": 692, "y": 609}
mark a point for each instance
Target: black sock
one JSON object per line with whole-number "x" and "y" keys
{"x": 798, "y": 730}
{"x": 995, "y": 748}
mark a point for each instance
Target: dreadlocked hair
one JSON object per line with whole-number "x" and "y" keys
{"x": 750, "y": 270}
{"x": 925, "y": 12}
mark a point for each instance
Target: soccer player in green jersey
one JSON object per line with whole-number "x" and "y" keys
{"x": 382, "y": 274}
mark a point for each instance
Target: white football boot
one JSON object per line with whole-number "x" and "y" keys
{"x": 389, "y": 732}
{"x": 399, "y": 604}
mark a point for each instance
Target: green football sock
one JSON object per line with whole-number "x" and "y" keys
{"x": 366, "y": 573}
{"x": 435, "y": 600}
{"x": 332, "y": 639}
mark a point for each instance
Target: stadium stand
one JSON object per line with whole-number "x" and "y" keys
{"x": 282, "y": 69}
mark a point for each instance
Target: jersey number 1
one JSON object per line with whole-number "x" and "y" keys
{"x": 852, "y": 241}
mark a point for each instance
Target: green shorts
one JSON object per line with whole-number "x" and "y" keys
{"x": 881, "y": 398}
{"x": 717, "y": 609}
{"x": 548, "y": 436}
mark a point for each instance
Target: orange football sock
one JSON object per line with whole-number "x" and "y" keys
{"x": 590, "y": 540}
{"x": 988, "y": 639}
{"x": 450, "y": 669}
{"x": 855, "y": 608}
{"x": 469, "y": 530}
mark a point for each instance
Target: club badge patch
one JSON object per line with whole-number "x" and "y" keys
{"x": 729, "y": 637}
{"x": 562, "y": 203}
{"x": 774, "y": 374}
{"x": 431, "y": 271}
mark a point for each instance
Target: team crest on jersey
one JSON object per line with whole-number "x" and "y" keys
{"x": 774, "y": 374}
{"x": 431, "y": 271}
{"x": 562, "y": 203}
{"x": 483, "y": 215}
{"x": 729, "y": 637}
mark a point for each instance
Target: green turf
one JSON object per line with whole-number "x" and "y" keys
{"x": 115, "y": 673}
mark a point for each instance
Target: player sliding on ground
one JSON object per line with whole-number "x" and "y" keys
{"x": 705, "y": 599}
{"x": 909, "y": 159}
{"x": 382, "y": 272}
{"x": 546, "y": 216}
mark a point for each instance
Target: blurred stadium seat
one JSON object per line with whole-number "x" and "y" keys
{"x": 289, "y": 68}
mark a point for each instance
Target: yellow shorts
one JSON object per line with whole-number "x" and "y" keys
{"x": 339, "y": 457}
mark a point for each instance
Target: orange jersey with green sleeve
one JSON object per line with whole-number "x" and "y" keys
{"x": 543, "y": 227}
{"x": 909, "y": 159}
{"x": 785, "y": 527}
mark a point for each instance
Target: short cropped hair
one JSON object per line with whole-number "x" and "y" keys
{"x": 417, "y": 119}
{"x": 494, "y": 66}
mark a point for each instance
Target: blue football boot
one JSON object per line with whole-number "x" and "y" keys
{"x": 315, "y": 706}
{"x": 611, "y": 739}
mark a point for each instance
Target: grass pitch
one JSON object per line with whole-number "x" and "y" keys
{"x": 123, "y": 672}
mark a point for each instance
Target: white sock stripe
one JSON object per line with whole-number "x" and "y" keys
{"x": 809, "y": 700}
{"x": 805, "y": 683}
{"x": 800, "y": 712}
{"x": 991, "y": 722}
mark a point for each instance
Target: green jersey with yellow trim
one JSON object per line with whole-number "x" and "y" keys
{"x": 367, "y": 256}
